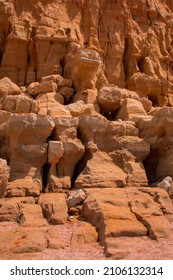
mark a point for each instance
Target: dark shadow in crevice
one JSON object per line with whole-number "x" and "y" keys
{"x": 125, "y": 64}
{"x": 154, "y": 100}
{"x": 150, "y": 165}
{"x": 62, "y": 64}
{"x": 140, "y": 63}
{"x": 44, "y": 173}
{"x": 1, "y": 56}
{"x": 52, "y": 136}
{"x": 108, "y": 115}
{"x": 80, "y": 166}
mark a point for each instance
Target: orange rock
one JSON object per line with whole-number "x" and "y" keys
{"x": 54, "y": 207}
{"x": 130, "y": 110}
{"x": 50, "y": 104}
{"x": 19, "y": 104}
{"x": 7, "y": 87}
{"x": 28, "y": 152}
{"x": 109, "y": 99}
{"x": 150, "y": 213}
{"x": 101, "y": 172}
{"x": 115, "y": 228}
{"x": 9, "y": 207}
{"x": 31, "y": 215}
{"x": 54, "y": 241}
{"x": 23, "y": 240}
{"x": 84, "y": 233}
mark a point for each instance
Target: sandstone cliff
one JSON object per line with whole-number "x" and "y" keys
{"x": 86, "y": 96}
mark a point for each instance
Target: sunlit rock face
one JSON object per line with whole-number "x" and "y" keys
{"x": 86, "y": 96}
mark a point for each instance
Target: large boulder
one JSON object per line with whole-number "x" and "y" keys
{"x": 79, "y": 108}
{"x": 109, "y": 99}
{"x": 44, "y": 87}
{"x": 7, "y": 87}
{"x": 18, "y": 104}
{"x": 22, "y": 240}
{"x": 131, "y": 110}
{"x": 110, "y": 214}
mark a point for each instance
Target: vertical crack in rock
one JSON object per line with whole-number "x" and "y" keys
{"x": 138, "y": 217}
{"x": 149, "y": 213}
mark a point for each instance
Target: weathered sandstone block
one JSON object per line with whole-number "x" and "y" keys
{"x": 54, "y": 207}
{"x": 18, "y": 104}
{"x": 28, "y": 150}
{"x": 7, "y": 87}
{"x": 109, "y": 99}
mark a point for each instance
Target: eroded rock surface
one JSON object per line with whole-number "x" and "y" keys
{"x": 126, "y": 212}
{"x": 86, "y": 96}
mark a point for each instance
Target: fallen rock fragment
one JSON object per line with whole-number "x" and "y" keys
{"x": 131, "y": 110}
{"x": 75, "y": 197}
{"x": 166, "y": 184}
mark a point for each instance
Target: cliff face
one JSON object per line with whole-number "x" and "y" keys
{"x": 86, "y": 95}
{"x": 134, "y": 40}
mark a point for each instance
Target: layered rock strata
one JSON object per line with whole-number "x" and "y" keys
{"x": 85, "y": 121}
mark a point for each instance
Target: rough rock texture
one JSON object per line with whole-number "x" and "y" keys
{"x": 54, "y": 207}
{"x": 7, "y": 87}
{"x": 28, "y": 152}
{"x": 85, "y": 233}
{"x": 19, "y": 104}
{"x": 86, "y": 110}
{"x": 9, "y": 208}
{"x": 4, "y": 174}
{"x": 128, "y": 212}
